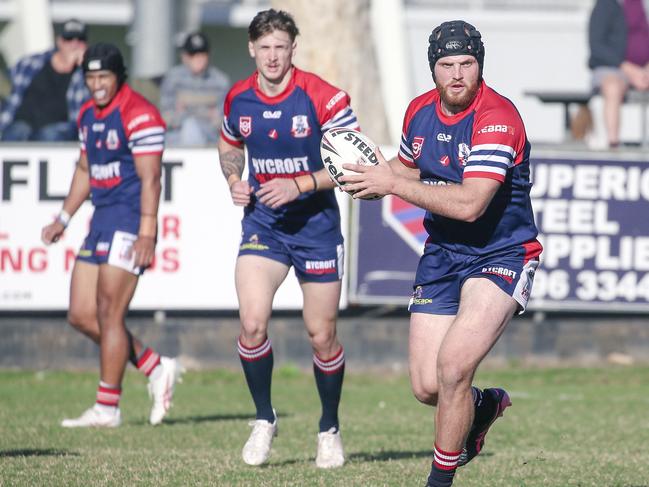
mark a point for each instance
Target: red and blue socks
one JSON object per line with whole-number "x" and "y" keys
{"x": 329, "y": 376}
{"x": 257, "y": 363}
{"x": 443, "y": 468}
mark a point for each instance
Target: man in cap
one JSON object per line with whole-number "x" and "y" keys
{"x": 122, "y": 139}
{"x": 191, "y": 96}
{"x": 47, "y": 90}
{"x": 464, "y": 157}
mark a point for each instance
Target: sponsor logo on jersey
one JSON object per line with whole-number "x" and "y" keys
{"x": 253, "y": 244}
{"x": 335, "y": 99}
{"x": 98, "y": 127}
{"x": 444, "y": 137}
{"x": 320, "y": 266}
{"x": 245, "y": 125}
{"x": 272, "y": 114}
{"x": 112, "y": 140}
{"x": 145, "y": 117}
{"x": 445, "y": 160}
{"x": 417, "y": 145}
{"x": 417, "y": 299}
{"x": 126, "y": 251}
{"x": 105, "y": 175}
{"x": 273, "y": 134}
{"x": 463, "y": 152}
{"x": 505, "y": 129}
{"x": 267, "y": 169}
{"x": 507, "y": 274}
{"x": 102, "y": 248}
{"x": 300, "y": 126}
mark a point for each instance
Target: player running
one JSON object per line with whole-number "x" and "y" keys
{"x": 466, "y": 160}
{"x": 291, "y": 218}
{"x": 122, "y": 139}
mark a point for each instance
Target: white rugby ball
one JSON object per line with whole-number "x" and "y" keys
{"x": 346, "y": 146}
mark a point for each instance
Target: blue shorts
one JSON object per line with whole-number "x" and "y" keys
{"x": 311, "y": 263}
{"x": 110, "y": 240}
{"x": 441, "y": 274}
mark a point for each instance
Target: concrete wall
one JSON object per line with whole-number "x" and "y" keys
{"x": 371, "y": 342}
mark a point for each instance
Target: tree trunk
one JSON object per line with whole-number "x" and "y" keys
{"x": 335, "y": 42}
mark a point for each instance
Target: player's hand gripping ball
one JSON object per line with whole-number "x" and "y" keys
{"x": 346, "y": 146}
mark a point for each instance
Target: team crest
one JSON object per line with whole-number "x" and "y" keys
{"x": 463, "y": 152}
{"x": 300, "y": 126}
{"x": 245, "y": 126}
{"x": 417, "y": 145}
{"x": 112, "y": 140}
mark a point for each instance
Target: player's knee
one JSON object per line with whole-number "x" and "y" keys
{"x": 80, "y": 320}
{"x": 253, "y": 331}
{"x": 425, "y": 391}
{"x": 452, "y": 374}
{"x": 107, "y": 310}
{"x": 323, "y": 340}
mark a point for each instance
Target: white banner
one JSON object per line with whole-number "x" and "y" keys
{"x": 198, "y": 239}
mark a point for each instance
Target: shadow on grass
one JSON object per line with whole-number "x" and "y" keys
{"x": 37, "y": 452}
{"x": 383, "y": 456}
{"x": 387, "y": 455}
{"x": 214, "y": 417}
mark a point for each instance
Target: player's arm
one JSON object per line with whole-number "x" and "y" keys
{"x": 465, "y": 202}
{"x": 78, "y": 193}
{"x": 149, "y": 169}
{"x": 233, "y": 160}
{"x": 401, "y": 169}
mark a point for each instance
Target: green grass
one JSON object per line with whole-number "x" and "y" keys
{"x": 568, "y": 427}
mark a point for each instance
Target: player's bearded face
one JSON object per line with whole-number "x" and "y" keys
{"x": 457, "y": 80}
{"x": 273, "y": 55}
{"x": 102, "y": 86}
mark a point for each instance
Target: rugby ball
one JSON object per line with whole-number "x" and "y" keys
{"x": 346, "y": 146}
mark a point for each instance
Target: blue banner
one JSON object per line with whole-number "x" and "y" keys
{"x": 592, "y": 212}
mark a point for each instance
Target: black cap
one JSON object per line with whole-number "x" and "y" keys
{"x": 74, "y": 29}
{"x": 453, "y": 38}
{"x": 103, "y": 56}
{"x": 196, "y": 42}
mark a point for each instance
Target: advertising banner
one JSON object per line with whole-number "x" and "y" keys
{"x": 592, "y": 211}
{"x": 198, "y": 237}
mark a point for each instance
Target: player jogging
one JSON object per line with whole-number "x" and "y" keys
{"x": 466, "y": 147}
{"x": 122, "y": 139}
{"x": 291, "y": 218}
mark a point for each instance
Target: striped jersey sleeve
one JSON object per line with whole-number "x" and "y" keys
{"x": 498, "y": 143}
{"x": 145, "y": 131}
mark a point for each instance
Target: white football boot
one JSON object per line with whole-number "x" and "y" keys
{"x": 257, "y": 449}
{"x": 95, "y": 417}
{"x": 161, "y": 387}
{"x": 330, "y": 449}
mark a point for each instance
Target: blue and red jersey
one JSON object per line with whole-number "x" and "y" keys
{"x": 487, "y": 140}
{"x": 282, "y": 137}
{"x": 111, "y": 137}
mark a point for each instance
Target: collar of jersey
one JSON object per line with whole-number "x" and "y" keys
{"x": 453, "y": 119}
{"x": 271, "y": 100}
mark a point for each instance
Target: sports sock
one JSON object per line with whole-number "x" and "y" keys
{"x": 107, "y": 397}
{"x": 329, "y": 376}
{"x": 257, "y": 363}
{"x": 443, "y": 468}
{"x": 484, "y": 405}
{"x": 148, "y": 361}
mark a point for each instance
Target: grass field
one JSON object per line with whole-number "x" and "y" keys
{"x": 568, "y": 427}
